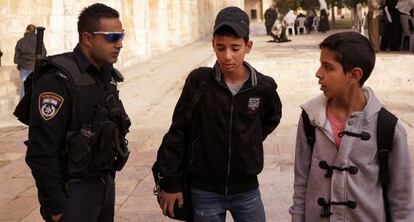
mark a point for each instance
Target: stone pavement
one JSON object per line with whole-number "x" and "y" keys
{"x": 150, "y": 93}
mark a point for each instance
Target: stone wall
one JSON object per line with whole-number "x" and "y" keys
{"x": 152, "y": 26}
{"x": 254, "y": 9}
{"x": 9, "y": 96}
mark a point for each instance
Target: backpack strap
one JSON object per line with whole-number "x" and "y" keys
{"x": 309, "y": 132}
{"x": 68, "y": 65}
{"x": 309, "y": 129}
{"x": 385, "y": 135}
{"x": 203, "y": 74}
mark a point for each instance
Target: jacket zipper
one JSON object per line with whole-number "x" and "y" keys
{"x": 229, "y": 163}
{"x": 230, "y": 141}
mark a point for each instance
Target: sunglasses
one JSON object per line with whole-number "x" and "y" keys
{"x": 112, "y": 36}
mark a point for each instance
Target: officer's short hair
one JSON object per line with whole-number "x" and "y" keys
{"x": 89, "y": 18}
{"x": 352, "y": 50}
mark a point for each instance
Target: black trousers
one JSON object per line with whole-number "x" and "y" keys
{"x": 268, "y": 29}
{"x": 90, "y": 201}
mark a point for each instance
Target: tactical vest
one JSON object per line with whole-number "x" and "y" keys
{"x": 95, "y": 139}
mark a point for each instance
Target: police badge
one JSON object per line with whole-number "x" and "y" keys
{"x": 253, "y": 105}
{"x": 49, "y": 104}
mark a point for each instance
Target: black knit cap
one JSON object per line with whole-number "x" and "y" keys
{"x": 235, "y": 18}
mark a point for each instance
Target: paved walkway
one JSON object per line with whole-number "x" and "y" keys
{"x": 150, "y": 92}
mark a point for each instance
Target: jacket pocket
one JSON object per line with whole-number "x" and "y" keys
{"x": 79, "y": 153}
{"x": 78, "y": 147}
{"x": 258, "y": 151}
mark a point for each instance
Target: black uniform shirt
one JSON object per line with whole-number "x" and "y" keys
{"x": 50, "y": 120}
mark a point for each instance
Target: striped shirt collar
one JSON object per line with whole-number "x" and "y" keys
{"x": 253, "y": 75}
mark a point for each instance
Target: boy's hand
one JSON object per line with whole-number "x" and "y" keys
{"x": 167, "y": 201}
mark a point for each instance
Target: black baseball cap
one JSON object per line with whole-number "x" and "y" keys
{"x": 235, "y": 18}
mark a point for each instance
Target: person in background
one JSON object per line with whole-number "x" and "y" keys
{"x": 279, "y": 32}
{"x": 310, "y": 16}
{"x": 24, "y": 55}
{"x": 323, "y": 21}
{"x": 374, "y": 19}
{"x": 270, "y": 17}
{"x": 300, "y": 13}
{"x": 405, "y": 8}
{"x": 391, "y": 27}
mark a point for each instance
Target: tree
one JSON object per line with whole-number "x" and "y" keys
{"x": 285, "y": 5}
{"x": 353, "y": 3}
{"x": 333, "y": 3}
{"x": 310, "y": 4}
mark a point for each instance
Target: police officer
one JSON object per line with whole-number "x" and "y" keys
{"x": 78, "y": 124}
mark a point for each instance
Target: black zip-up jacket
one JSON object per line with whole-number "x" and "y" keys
{"x": 224, "y": 137}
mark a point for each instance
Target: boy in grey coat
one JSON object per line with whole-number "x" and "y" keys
{"x": 347, "y": 60}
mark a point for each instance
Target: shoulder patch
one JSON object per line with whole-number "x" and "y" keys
{"x": 49, "y": 104}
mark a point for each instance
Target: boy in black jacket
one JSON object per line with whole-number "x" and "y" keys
{"x": 225, "y": 134}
